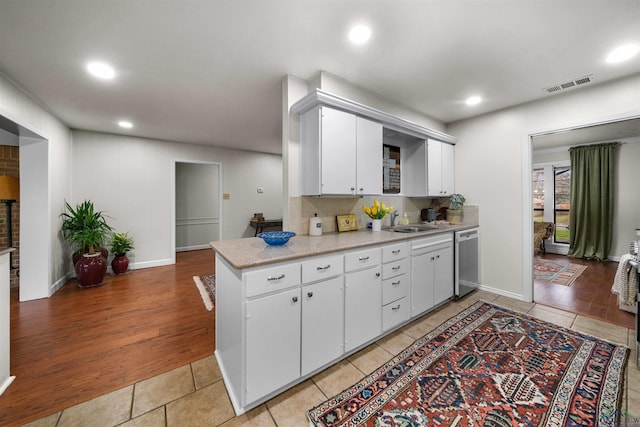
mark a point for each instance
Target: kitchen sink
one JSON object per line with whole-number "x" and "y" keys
{"x": 410, "y": 228}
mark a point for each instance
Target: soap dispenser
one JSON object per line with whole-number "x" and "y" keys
{"x": 315, "y": 226}
{"x": 405, "y": 219}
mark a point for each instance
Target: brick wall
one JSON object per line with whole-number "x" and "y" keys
{"x": 10, "y": 166}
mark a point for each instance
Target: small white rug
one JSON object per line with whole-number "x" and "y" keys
{"x": 207, "y": 287}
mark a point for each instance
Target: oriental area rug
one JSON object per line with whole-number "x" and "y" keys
{"x": 556, "y": 272}
{"x": 207, "y": 286}
{"x": 488, "y": 366}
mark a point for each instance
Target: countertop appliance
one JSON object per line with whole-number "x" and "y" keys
{"x": 467, "y": 275}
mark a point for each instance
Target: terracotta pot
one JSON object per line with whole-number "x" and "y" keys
{"x": 90, "y": 270}
{"x": 120, "y": 264}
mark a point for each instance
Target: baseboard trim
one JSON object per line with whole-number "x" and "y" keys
{"x": 503, "y": 293}
{"x": 149, "y": 264}
{"x": 193, "y": 248}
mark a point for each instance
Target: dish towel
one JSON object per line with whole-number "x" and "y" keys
{"x": 625, "y": 284}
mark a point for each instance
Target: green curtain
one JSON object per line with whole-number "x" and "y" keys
{"x": 592, "y": 192}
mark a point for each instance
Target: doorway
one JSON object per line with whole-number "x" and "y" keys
{"x": 198, "y": 219}
{"x": 551, "y": 146}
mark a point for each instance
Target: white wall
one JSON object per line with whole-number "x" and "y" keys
{"x": 133, "y": 181}
{"x": 493, "y": 166}
{"x": 41, "y": 251}
{"x": 197, "y": 205}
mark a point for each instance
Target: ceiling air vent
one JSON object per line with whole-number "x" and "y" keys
{"x": 569, "y": 85}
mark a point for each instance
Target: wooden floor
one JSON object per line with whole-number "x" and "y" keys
{"x": 82, "y": 343}
{"x": 590, "y": 295}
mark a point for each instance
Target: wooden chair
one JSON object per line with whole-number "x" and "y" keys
{"x": 541, "y": 232}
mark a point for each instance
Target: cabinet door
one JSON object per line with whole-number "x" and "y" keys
{"x": 338, "y": 152}
{"x": 443, "y": 275}
{"x": 422, "y": 272}
{"x": 368, "y": 156}
{"x": 273, "y": 343}
{"x": 363, "y": 307}
{"x": 434, "y": 168}
{"x": 322, "y": 323}
{"x": 448, "y": 160}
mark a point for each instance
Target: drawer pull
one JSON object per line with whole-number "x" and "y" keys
{"x": 396, "y": 252}
{"x": 395, "y": 283}
{"x": 396, "y": 268}
{"x": 326, "y": 267}
{"x": 309, "y": 294}
{"x": 271, "y": 279}
{"x": 363, "y": 258}
{"x": 295, "y": 299}
{"x": 397, "y": 307}
{"x": 377, "y": 274}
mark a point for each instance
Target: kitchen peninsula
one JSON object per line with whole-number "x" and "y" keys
{"x": 284, "y": 313}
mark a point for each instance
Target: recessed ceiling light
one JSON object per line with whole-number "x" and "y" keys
{"x": 473, "y": 100}
{"x": 125, "y": 124}
{"x": 622, "y": 53}
{"x": 360, "y": 34}
{"x": 101, "y": 70}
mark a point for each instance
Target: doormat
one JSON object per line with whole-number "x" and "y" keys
{"x": 488, "y": 366}
{"x": 556, "y": 272}
{"x": 207, "y": 286}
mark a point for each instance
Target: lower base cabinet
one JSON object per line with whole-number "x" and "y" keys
{"x": 363, "y": 298}
{"x": 273, "y": 342}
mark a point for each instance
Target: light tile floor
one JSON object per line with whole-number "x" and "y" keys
{"x": 194, "y": 395}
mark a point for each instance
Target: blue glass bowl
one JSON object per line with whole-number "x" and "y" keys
{"x": 276, "y": 238}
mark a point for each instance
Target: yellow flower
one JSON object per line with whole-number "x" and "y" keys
{"x": 374, "y": 211}
{"x": 366, "y": 210}
{"x": 383, "y": 207}
{"x": 376, "y": 203}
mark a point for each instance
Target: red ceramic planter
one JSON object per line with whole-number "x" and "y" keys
{"x": 90, "y": 270}
{"x": 120, "y": 264}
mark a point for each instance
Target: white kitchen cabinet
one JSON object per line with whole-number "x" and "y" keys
{"x": 341, "y": 153}
{"x": 363, "y": 298}
{"x": 395, "y": 289}
{"x": 273, "y": 342}
{"x": 440, "y": 172}
{"x": 431, "y": 272}
{"x": 322, "y": 323}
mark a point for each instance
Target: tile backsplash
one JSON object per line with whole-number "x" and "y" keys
{"x": 327, "y": 208}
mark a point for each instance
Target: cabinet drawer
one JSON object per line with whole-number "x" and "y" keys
{"x": 395, "y": 268}
{"x": 272, "y": 279}
{"x": 394, "y": 252}
{"x": 361, "y": 259}
{"x": 395, "y": 313}
{"x": 395, "y": 288}
{"x": 322, "y": 268}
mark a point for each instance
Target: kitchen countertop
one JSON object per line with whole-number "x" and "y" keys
{"x": 253, "y": 251}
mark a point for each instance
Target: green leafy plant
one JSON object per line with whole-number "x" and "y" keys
{"x": 84, "y": 227}
{"x": 456, "y": 201}
{"x": 121, "y": 243}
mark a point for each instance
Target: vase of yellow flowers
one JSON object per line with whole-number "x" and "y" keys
{"x": 376, "y": 212}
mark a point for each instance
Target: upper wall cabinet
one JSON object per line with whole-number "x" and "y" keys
{"x": 341, "y": 153}
{"x": 432, "y": 169}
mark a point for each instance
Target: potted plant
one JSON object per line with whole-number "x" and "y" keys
{"x": 121, "y": 243}
{"x": 376, "y": 212}
{"x": 454, "y": 213}
{"x": 86, "y": 229}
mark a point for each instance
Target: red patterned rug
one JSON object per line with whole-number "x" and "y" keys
{"x": 488, "y": 366}
{"x": 207, "y": 286}
{"x": 556, "y": 272}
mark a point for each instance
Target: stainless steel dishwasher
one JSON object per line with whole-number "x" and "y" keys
{"x": 467, "y": 275}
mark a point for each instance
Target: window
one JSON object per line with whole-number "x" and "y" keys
{"x": 538, "y": 195}
{"x": 562, "y": 202}
{"x": 552, "y": 197}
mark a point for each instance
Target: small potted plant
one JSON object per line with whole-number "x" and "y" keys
{"x": 376, "y": 212}
{"x": 454, "y": 213}
{"x": 121, "y": 243}
{"x": 86, "y": 229}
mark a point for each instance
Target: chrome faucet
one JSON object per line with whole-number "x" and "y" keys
{"x": 394, "y": 215}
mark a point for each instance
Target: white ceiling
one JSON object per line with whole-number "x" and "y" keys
{"x": 210, "y": 71}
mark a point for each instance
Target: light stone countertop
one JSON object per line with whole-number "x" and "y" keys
{"x": 254, "y": 252}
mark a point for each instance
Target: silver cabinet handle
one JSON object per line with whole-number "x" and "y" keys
{"x": 396, "y": 268}
{"x": 377, "y": 274}
{"x": 326, "y": 267}
{"x": 396, "y": 252}
{"x": 271, "y": 278}
{"x": 363, "y": 258}
{"x": 395, "y": 283}
{"x": 361, "y": 190}
{"x": 294, "y": 299}
{"x": 309, "y": 294}
{"x": 397, "y": 307}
